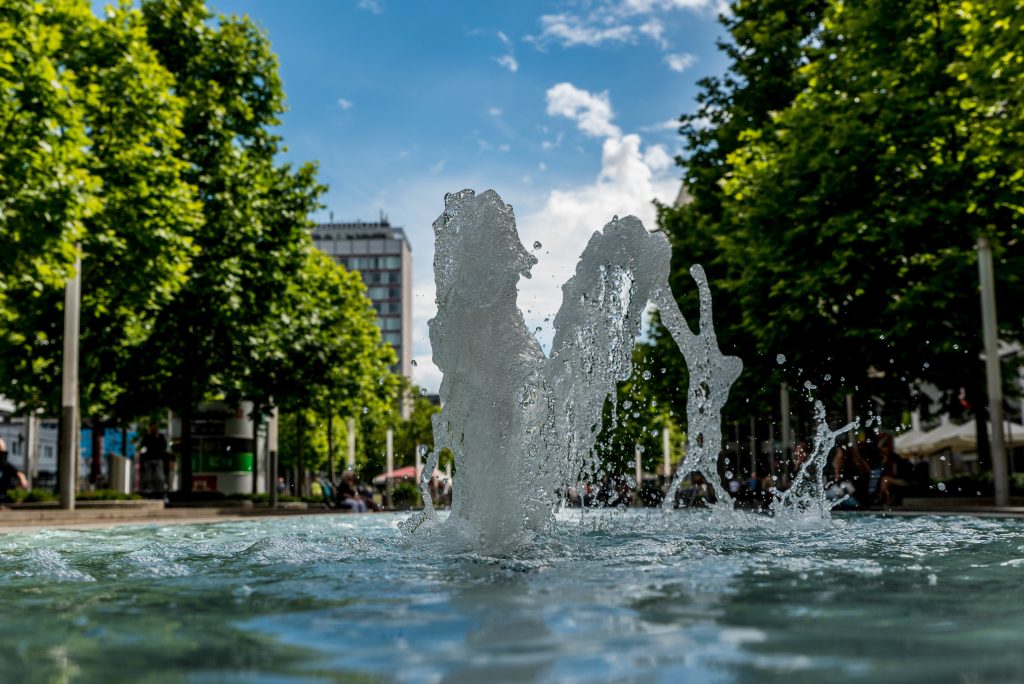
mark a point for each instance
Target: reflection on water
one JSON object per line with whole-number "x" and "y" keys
{"x": 604, "y": 597}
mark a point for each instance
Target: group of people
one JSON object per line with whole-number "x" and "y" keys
{"x": 348, "y": 494}
{"x": 867, "y": 474}
{"x": 854, "y": 476}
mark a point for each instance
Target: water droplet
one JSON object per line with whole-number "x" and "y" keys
{"x": 646, "y": 375}
{"x": 780, "y": 359}
{"x": 728, "y": 474}
{"x": 615, "y": 217}
{"x": 537, "y": 329}
{"x": 942, "y": 486}
{"x": 413, "y": 362}
{"x": 537, "y": 245}
{"x": 423, "y": 391}
{"x": 365, "y": 410}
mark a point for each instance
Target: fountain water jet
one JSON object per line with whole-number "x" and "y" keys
{"x": 521, "y": 424}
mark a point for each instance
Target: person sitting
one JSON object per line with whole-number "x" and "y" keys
{"x": 893, "y": 478}
{"x": 350, "y": 495}
{"x": 849, "y": 480}
{"x": 10, "y": 477}
{"x": 698, "y": 495}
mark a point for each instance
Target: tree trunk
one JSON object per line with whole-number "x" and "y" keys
{"x": 330, "y": 447}
{"x": 96, "y": 462}
{"x": 256, "y": 415}
{"x": 186, "y": 448}
{"x": 300, "y": 469}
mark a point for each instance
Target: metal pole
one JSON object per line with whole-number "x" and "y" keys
{"x": 66, "y": 470}
{"x": 639, "y": 463}
{"x": 330, "y": 447}
{"x": 753, "y": 447}
{"x": 272, "y": 453}
{"x": 849, "y": 417}
{"x": 390, "y": 455}
{"x": 256, "y": 416}
{"x": 31, "y": 444}
{"x": 666, "y": 454}
{"x": 787, "y": 432}
{"x": 351, "y": 444}
{"x": 993, "y": 370}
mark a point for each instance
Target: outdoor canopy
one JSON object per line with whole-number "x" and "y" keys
{"x": 949, "y": 435}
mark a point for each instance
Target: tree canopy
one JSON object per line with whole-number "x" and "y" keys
{"x": 840, "y": 175}
{"x": 146, "y": 140}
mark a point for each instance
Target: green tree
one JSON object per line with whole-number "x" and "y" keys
{"x": 137, "y": 213}
{"x": 253, "y": 241}
{"x": 768, "y": 43}
{"x": 860, "y": 211}
{"x": 840, "y": 225}
{"x": 321, "y": 360}
{"x": 45, "y": 190}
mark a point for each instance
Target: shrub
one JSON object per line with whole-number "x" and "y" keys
{"x": 107, "y": 495}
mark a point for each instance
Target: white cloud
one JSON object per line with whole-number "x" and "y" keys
{"x": 503, "y": 38}
{"x": 591, "y": 112}
{"x": 645, "y": 6}
{"x": 628, "y": 182}
{"x": 494, "y": 111}
{"x": 504, "y": 148}
{"x": 570, "y": 30}
{"x": 509, "y": 62}
{"x": 655, "y": 30}
{"x": 616, "y": 21}
{"x": 667, "y": 125}
{"x": 680, "y": 62}
{"x": 552, "y": 144}
{"x": 630, "y": 178}
{"x": 542, "y": 167}
{"x": 438, "y": 167}
{"x": 657, "y": 159}
{"x": 345, "y": 104}
{"x": 371, "y": 6}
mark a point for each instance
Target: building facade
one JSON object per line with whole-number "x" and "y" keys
{"x": 381, "y": 254}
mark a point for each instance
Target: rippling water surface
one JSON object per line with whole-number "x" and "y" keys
{"x": 606, "y": 597}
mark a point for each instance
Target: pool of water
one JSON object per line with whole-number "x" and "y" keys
{"x": 604, "y": 597}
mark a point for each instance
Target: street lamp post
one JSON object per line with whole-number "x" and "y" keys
{"x": 66, "y": 471}
{"x": 993, "y": 371}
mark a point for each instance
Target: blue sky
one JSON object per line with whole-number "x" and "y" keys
{"x": 564, "y": 108}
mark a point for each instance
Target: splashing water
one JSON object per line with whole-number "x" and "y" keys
{"x": 806, "y": 498}
{"x": 520, "y": 423}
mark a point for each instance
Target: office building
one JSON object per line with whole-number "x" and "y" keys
{"x": 381, "y": 254}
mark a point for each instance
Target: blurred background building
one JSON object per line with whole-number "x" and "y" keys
{"x": 381, "y": 254}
